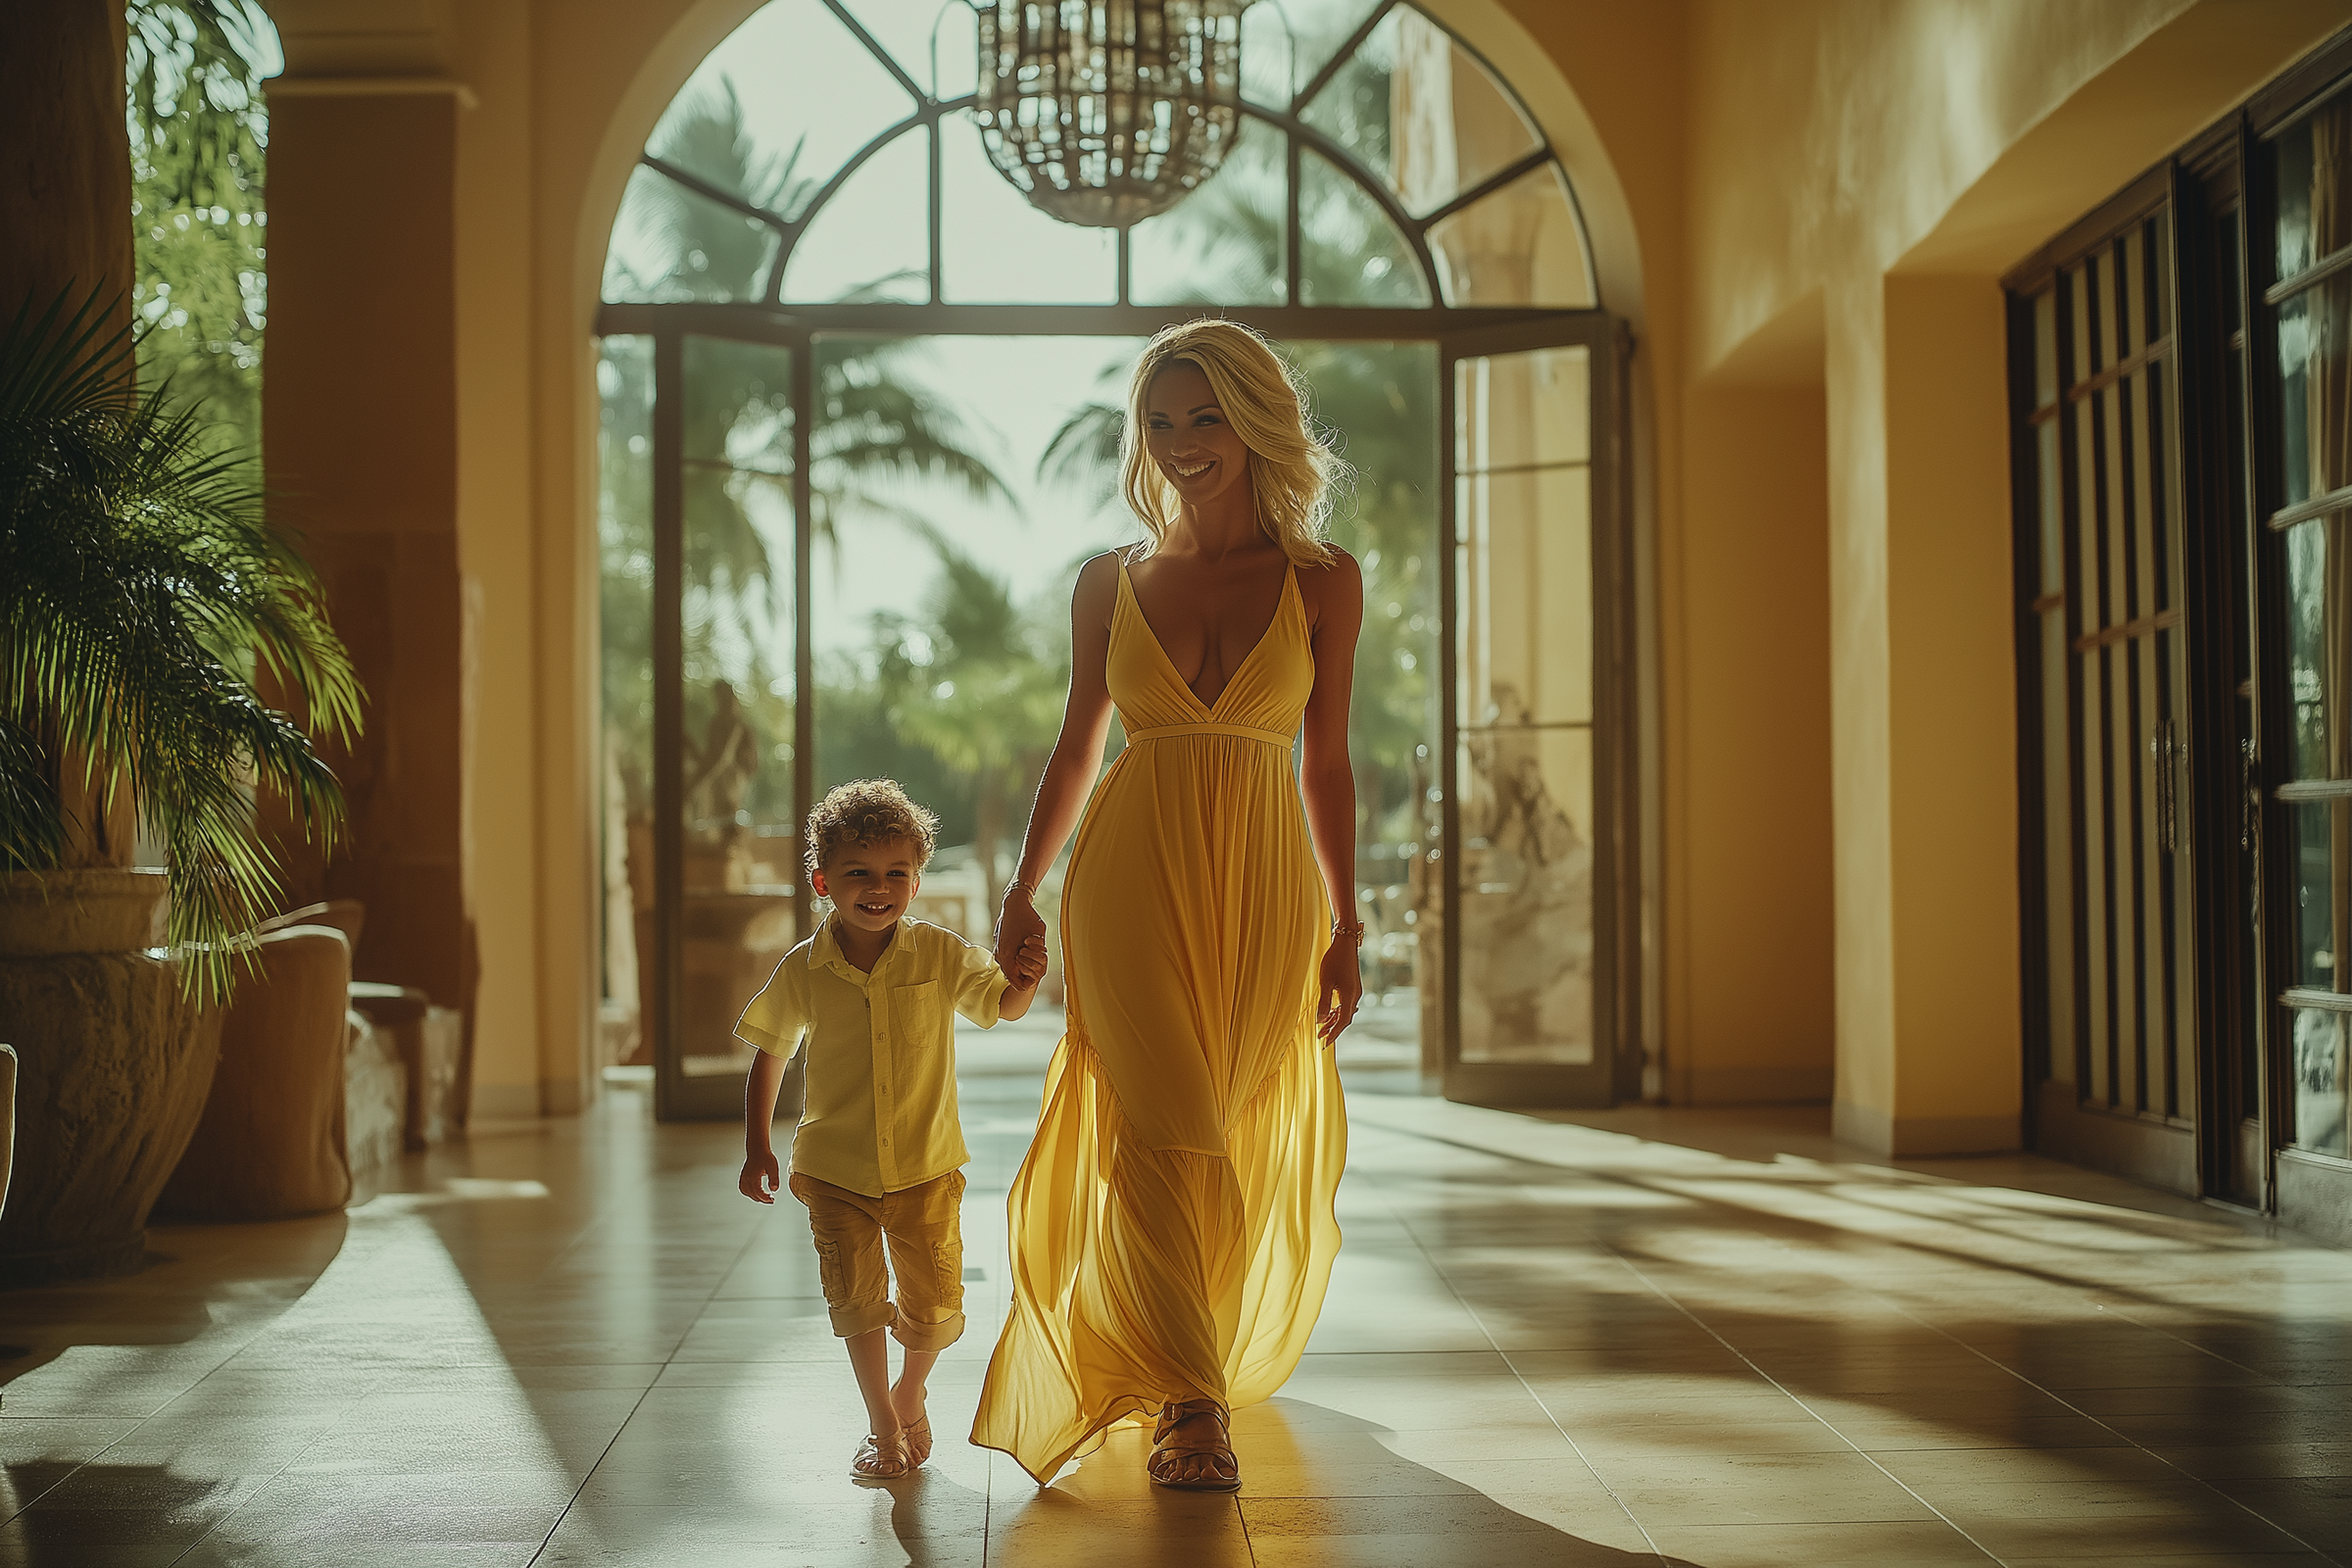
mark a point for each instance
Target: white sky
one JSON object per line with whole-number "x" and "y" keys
{"x": 802, "y": 79}
{"x": 1015, "y": 392}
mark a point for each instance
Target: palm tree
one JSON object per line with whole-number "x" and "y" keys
{"x": 199, "y": 131}
{"x": 873, "y": 425}
{"x": 980, "y": 687}
{"x": 141, "y": 594}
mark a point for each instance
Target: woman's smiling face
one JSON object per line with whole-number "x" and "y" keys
{"x": 1187, "y": 436}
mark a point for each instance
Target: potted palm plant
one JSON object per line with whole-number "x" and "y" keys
{"x": 144, "y": 602}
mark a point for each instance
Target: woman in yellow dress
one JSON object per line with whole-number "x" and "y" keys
{"x": 1172, "y": 1228}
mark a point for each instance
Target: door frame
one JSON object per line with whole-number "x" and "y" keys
{"x": 2306, "y": 1187}
{"x": 1459, "y": 333}
{"x": 2242, "y": 860}
{"x": 2059, "y": 1118}
{"x": 1614, "y": 1073}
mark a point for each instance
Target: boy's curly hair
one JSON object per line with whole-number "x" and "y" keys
{"x": 869, "y": 812}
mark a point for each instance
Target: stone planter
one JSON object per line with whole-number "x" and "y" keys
{"x": 114, "y": 1067}
{"x": 44, "y": 913}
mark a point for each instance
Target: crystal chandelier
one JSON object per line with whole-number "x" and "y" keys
{"x": 1104, "y": 111}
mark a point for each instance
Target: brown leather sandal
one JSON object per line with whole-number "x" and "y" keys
{"x": 883, "y": 1458}
{"x": 918, "y": 1439}
{"x": 1219, "y": 1470}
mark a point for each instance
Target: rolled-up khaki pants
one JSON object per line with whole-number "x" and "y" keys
{"x": 920, "y": 1226}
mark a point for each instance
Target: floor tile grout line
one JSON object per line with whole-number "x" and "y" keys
{"x": 1664, "y": 1295}
{"x": 140, "y": 1421}
{"x": 273, "y": 1475}
{"x": 1380, "y": 1185}
{"x": 1683, "y": 1188}
{"x": 241, "y": 1347}
{"x": 2045, "y": 1277}
{"x": 2164, "y": 1333}
{"x": 1795, "y": 1399}
{"x": 2053, "y": 1394}
{"x": 750, "y": 1240}
{"x": 2123, "y": 1312}
{"x": 382, "y": 1377}
{"x": 1904, "y": 1311}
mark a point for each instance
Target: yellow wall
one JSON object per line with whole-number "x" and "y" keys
{"x": 496, "y": 526}
{"x": 1803, "y": 206}
{"x": 360, "y": 439}
{"x": 1750, "y": 845}
{"x": 1859, "y": 175}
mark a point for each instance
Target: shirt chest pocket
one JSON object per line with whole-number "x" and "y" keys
{"x": 919, "y": 1015}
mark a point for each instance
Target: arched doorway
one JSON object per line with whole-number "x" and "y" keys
{"x": 815, "y": 201}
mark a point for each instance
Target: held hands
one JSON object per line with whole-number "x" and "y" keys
{"x": 761, "y": 1177}
{"x": 1028, "y": 965}
{"x": 1338, "y": 987}
{"x": 1020, "y": 940}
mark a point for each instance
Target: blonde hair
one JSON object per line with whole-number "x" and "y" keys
{"x": 1292, "y": 470}
{"x": 867, "y": 813}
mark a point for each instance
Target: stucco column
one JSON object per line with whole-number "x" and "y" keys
{"x": 1752, "y": 864}
{"x": 361, "y": 444}
{"x": 1922, "y": 716}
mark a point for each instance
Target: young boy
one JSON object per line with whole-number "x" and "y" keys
{"x": 878, "y": 1156}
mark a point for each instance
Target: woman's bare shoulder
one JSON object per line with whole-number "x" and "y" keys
{"x": 1335, "y": 581}
{"x": 1098, "y": 587}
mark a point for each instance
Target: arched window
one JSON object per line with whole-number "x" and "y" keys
{"x": 831, "y": 332}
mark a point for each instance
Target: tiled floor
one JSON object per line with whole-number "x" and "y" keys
{"x": 1709, "y": 1337}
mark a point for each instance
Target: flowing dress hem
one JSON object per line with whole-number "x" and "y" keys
{"x": 1143, "y": 1406}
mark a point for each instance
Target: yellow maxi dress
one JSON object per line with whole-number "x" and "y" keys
{"x": 1172, "y": 1229}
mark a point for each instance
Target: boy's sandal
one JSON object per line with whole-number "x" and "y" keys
{"x": 883, "y": 1458}
{"x": 1209, "y": 1468}
{"x": 918, "y": 1439}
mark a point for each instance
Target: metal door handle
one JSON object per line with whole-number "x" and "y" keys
{"x": 2249, "y": 822}
{"x": 2167, "y": 751}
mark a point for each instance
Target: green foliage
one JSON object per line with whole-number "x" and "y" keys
{"x": 199, "y": 131}
{"x": 875, "y": 426}
{"x": 978, "y": 681}
{"x": 140, "y": 584}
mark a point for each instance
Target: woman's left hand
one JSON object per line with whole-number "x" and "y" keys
{"x": 1337, "y": 988}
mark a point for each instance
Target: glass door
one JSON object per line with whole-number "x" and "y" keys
{"x": 2305, "y": 475}
{"x": 2227, "y": 838}
{"x": 1537, "y": 803}
{"x": 2104, "y": 644}
{"x": 729, "y": 793}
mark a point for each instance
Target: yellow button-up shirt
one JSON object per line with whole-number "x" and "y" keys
{"x": 878, "y": 1111}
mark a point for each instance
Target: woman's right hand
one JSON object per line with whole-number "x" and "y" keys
{"x": 1016, "y": 923}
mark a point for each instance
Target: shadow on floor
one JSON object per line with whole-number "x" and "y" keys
{"x": 197, "y": 1277}
{"x": 65, "y": 1515}
{"x": 938, "y": 1522}
{"x": 1311, "y": 1479}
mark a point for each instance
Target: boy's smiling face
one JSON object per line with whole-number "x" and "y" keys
{"x": 871, "y": 884}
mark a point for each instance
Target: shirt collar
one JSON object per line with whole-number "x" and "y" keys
{"x": 826, "y": 952}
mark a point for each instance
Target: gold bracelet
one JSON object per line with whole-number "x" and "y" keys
{"x": 1025, "y": 886}
{"x": 1354, "y": 930}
